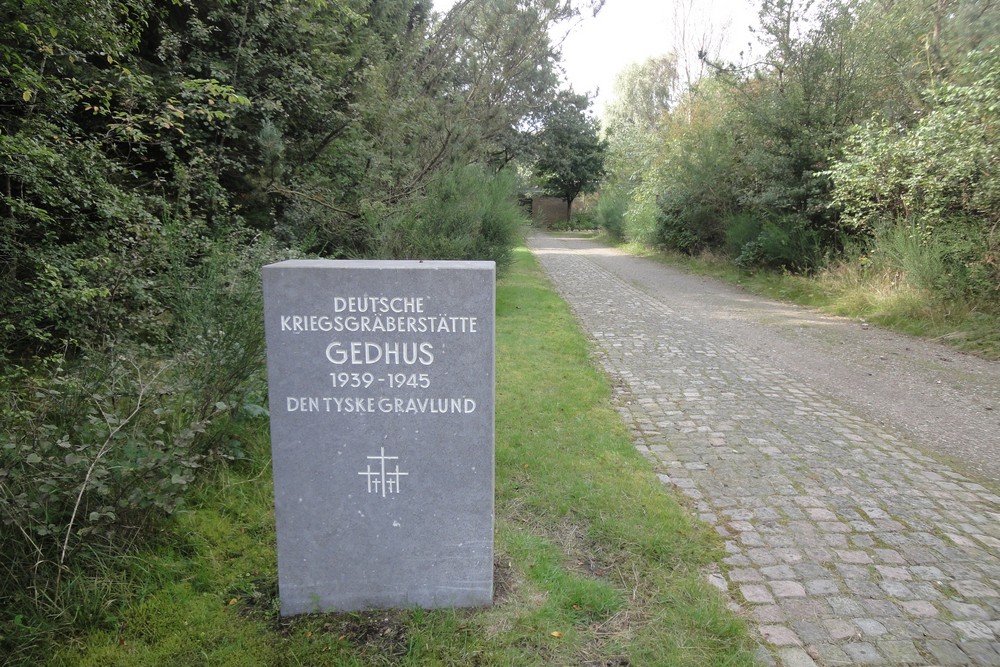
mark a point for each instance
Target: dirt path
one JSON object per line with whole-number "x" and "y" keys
{"x": 846, "y": 467}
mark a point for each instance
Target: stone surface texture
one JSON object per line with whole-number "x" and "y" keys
{"x": 851, "y": 472}
{"x": 381, "y": 387}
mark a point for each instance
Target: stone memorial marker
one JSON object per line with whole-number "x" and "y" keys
{"x": 381, "y": 378}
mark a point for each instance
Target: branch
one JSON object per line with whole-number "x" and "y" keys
{"x": 733, "y": 69}
{"x": 433, "y": 162}
{"x": 331, "y": 135}
{"x": 316, "y": 199}
{"x": 104, "y": 449}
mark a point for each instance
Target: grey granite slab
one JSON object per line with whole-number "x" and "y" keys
{"x": 381, "y": 388}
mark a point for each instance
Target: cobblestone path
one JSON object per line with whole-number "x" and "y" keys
{"x": 847, "y": 544}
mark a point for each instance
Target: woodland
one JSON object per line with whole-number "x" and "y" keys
{"x": 857, "y": 135}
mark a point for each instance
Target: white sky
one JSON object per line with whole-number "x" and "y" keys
{"x": 631, "y": 31}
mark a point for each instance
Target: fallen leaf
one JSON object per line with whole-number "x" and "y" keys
{"x": 556, "y": 634}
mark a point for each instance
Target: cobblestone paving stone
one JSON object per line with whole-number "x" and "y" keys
{"x": 846, "y": 545}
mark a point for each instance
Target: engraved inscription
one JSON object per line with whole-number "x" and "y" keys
{"x": 382, "y": 373}
{"x": 381, "y": 405}
{"x": 382, "y": 480}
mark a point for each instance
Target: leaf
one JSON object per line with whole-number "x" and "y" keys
{"x": 255, "y": 410}
{"x": 26, "y": 96}
{"x": 556, "y": 634}
{"x": 33, "y": 458}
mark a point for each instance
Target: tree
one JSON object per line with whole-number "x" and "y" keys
{"x": 570, "y": 152}
{"x": 643, "y": 94}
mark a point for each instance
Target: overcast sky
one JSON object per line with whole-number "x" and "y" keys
{"x": 629, "y": 31}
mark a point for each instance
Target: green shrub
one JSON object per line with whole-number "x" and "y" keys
{"x": 688, "y": 229}
{"x": 77, "y": 249}
{"x": 740, "y": 230}
{"x": 610, "y": 211}
{"x": 942, "y": 167}
{"x": 953, "y": 262}
{"x": 640, "y": 223}
{"x": 785, "y": 242}
{"x": 466, "y": 214}
{"x": 580, "y": 221}
{"x": 970, "y": 253}
{"x": 96, "y": 447}
{"x": 217, "y": 331}
{"x": 929, "y": 195}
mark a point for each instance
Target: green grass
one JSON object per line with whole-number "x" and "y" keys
{"x": 850, "y": 290}
{"x": 596, "y": 564}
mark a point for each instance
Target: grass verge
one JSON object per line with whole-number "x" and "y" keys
{"x": 595, "y": 563}
{"x": 851, "y": 291}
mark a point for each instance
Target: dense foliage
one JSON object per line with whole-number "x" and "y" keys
{"x": 153, "y": 155}
{"x": 569, "y": 158}
{"x": 862, "y": 123}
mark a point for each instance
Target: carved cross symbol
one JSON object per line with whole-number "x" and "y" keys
{"x": 382, "y": 480}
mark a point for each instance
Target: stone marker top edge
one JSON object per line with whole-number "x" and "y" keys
{"x": 380, "y": 264}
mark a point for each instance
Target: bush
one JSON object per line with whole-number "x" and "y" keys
{"x": 466, "y": 214}
{"x": 740, "y": 230}
{"x": 640, "y": 223}
{"x": 217, "y": 332}
{"x": 610, "y": 211}
{"x": 785, "y": 242}
{"x": 929, "y": 195}
{"x": 581, "y": 220}
{"x": 76, "y": 248}
{"x": 96, "y": 447}
{"x": 955, "y": 262}
{"x": 688, "y": 229}
{"x": 943, "y": 168}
